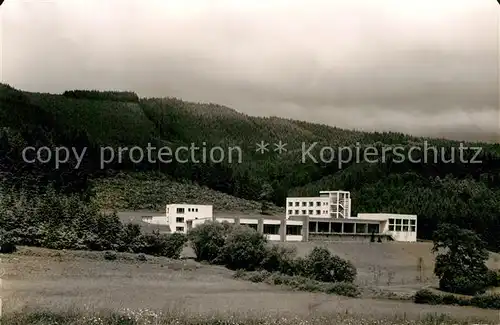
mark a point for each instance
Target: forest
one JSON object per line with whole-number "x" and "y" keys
{"x": 458, "y": 192}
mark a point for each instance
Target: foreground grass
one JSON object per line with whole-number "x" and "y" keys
{"x": 149, "y": 317}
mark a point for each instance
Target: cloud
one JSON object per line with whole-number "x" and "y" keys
{"x": 424, "y": 67}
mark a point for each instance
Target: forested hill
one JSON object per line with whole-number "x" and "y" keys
{"x": 463, "y": 193}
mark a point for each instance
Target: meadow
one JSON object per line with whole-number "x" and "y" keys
{"x": 84, "y": 283}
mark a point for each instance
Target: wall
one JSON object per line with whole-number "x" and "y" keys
{"x": 324, "y": 208}
{"x": 156, "y": 220}
{"x": 403, "y": 236}
{"x": 191, "y": 213}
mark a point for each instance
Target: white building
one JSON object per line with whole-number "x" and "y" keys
{"x": 327, "y": 216}
{"x": 180, "y": 217}
{"x": 329, "y": 204}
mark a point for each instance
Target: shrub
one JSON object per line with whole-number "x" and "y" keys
{"x": 168, "y": 245}
{"x": 425, "y": 296}
{"x": 141, "y": 257}
{"x": 467, "y": 285}
{"x": 343, "y": 289}
{"x": 244, "y": 248}
{"x": 174, "y": 243}
{"x": 7, "y": 243}
{"x": 110, "y": 256}
{"x": 300, "y": 283}
{"x": 208, "y": 239}
{"x": 321, "y": 265}
{"x": 487, "y": 301}
{"x": 280, "y": 258}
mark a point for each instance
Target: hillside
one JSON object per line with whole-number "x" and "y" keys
{"x": 438, "y": 191}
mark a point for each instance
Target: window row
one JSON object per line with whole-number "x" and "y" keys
{"x": 293, "y": 230}
{"x": 304, "y": 204}
{"x": 402, "y": 222}
{"x": 402, "y": 228}
{"x": 307, "y": 212}
{"x": 181, "y": 210}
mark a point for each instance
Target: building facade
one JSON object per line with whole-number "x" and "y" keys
{"x": 325, "y": 217}
{"x": 329, "y": 204}
{"x": 180, "y": 217}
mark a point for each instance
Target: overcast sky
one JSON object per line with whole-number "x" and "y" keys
{"x": 424, "y": 67}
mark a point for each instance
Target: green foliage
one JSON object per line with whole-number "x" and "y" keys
{"x": 168, "y": 245}
{"x": 485, "y": 301}
{"x": 244, "y": 248}
{"x": 280, "y": 259}
{"x": 426, "y": 296}
{"x": 300, "y": 283}
{"x": 461, "y": 262}
{"x": 321, "y": 265}
{"x": 7, "y": 242}
{"x": 66, "y": 222}
{"x": 207, "y": 240}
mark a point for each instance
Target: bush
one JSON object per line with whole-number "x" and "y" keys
{"x": 425, "y": 296}
{"x": 343, "y": 289}
{"x": 300, "y": 283}
{"x": 168, "y": 245}
{"x": 281, "y": 259}
{"x": 141, "y": 257}
{"x": 208, "y": 239}
{"x": 488, "y": 301}
{"x": 110, "y": 256}
{"x": 466, "y": 285}
{"x": 321, "y": 265}
{"x": 244, "y": 248}
{"x": 7, "y": 243}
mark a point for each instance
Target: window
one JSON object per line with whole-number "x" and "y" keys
{"x": 373, "y": 228}
{"x": 391, "y": 227}
{"x": 405, "y": 228}
{"x": 271, "y": 229}
{"x": 391, "y": 221}
{"x": 196, "y": 209}
{"x": 398, "y": 221}
{"x": 319, "y": 204}
{"x": 296, "y": 204}
{"x": 290, "y": 211}
{"x": 412, "y": 222}
{"x": 293, "y": 230}
{"x": 179, "y": 229}
{"x": 189, "y": 209}
{"x": 405, "y": 221}
{"x": 290, "y": 204}
{"x": 304, "y": 204}
{"x": 325, "y": 203}
{"x": 413, "y": 228}
{"x": 398, "y": 227}
{"x": 296, "y": 211}
{"x": 179, "y": 219}
{"x": 311, "y": 204}
{"x": 310, "y": 211}
{"x": 318, "y": 211}
{"x": 180, "y": 210}
{"x": 304, "y": 212}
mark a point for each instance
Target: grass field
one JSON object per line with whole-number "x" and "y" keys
{"x": 62, "y": 281}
